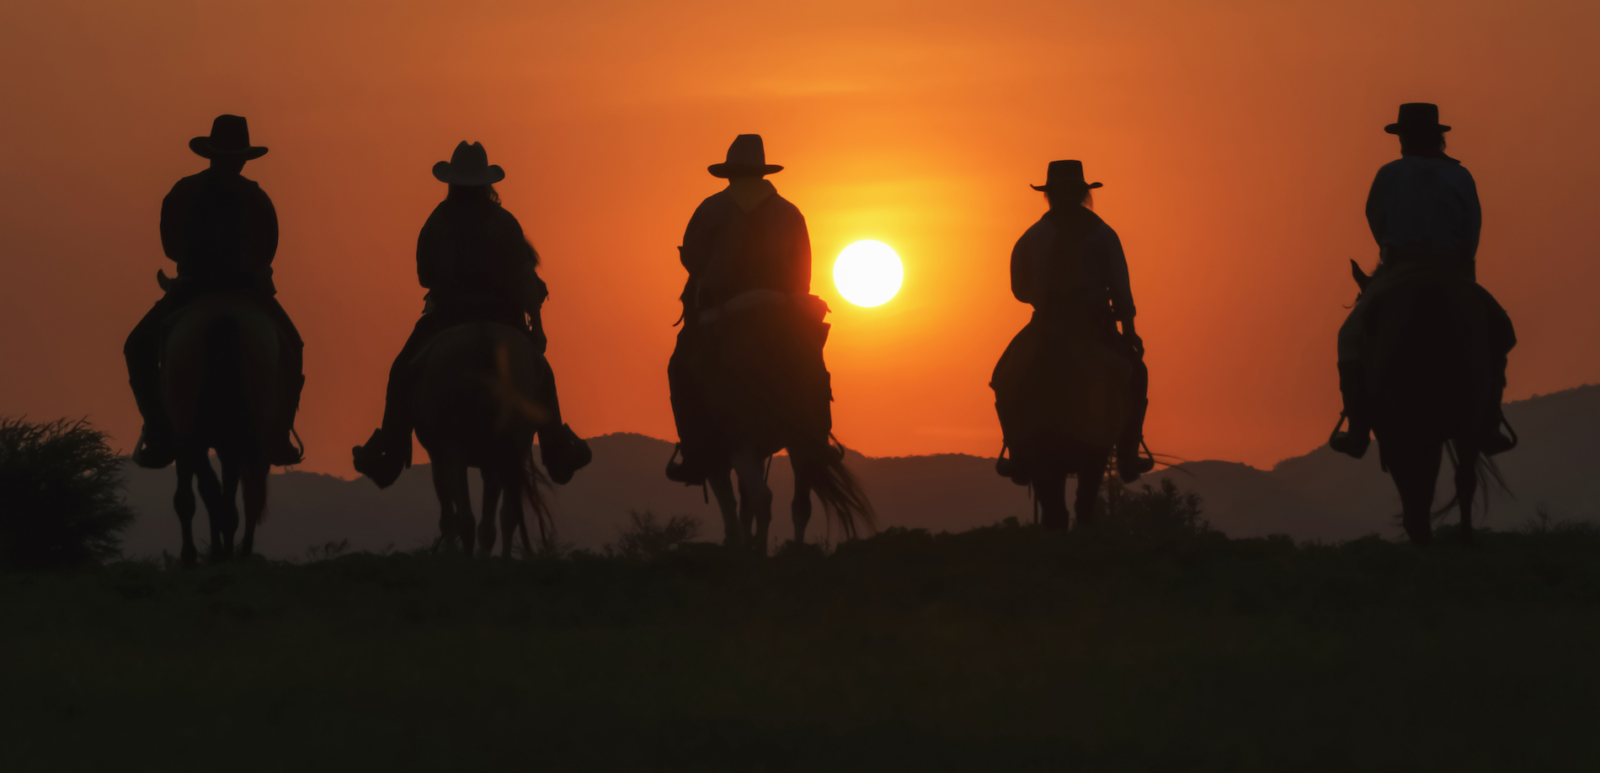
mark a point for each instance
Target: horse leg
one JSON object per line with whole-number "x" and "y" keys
{"x": 1416, "y": 472}
{"x": 211, "y": 495}
{"x": 1090, "y": 477}
{"x": 230, "y": 502}
{"x": 462, "y": 494}
{"x": 755, "y": 497}
{"x": 1466, "y": 485}
{"x": 255, "y": 503}
{"x": 492, "y": 484}
{"x": 721, "y": 484}
{"x": 183, "y": 502}
{"x": 443, "y": 492}
{"x": 800, "y": 508}
{"x": 1050, "y": 489}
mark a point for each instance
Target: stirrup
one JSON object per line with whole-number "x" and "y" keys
{"x": 381, "y": 464}
{"x": 1346, "y": 442}
{"x": 683, "y": 472}
{"x": 151, "y": 457}
{"x": 1129, "y": 468}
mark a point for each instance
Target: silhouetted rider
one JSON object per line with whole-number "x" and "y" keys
{"x": 478, "y": 266}
{"x": 1070, "y": 264}
{"x": 745, "y": 246}
{"x": 1424, "y": 213}
{"x": 222, "y": 231}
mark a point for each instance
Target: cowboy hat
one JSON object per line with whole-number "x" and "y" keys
{"x": 1417, "y": 117}
{"x": 469, "y": 165}
{"x": 747, "y": 157}
{"x": 229, "y": 138}
{"x": 1065, "y": 176}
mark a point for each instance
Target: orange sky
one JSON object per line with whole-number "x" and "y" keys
{"x": 1236, "y": 141}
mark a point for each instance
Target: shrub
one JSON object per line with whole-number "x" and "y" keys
{"x": 645, "y": 538}
{"x": 59, "y": 495}
{"x": 1152, "y": 511}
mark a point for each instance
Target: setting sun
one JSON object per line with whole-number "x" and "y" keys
{"x": 868, "y": 273}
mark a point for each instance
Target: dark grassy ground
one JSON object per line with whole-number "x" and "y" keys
{"x": 999, "y": 649}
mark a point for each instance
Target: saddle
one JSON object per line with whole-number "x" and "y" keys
{"x": 1063, "y": 379}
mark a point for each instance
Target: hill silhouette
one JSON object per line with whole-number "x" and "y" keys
{"x": 1319, "y": 496}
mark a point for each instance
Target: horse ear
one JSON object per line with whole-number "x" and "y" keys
{"x": 1360, "y": 276}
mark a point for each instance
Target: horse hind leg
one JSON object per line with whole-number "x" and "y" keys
{"x": 230, "y": 503}
{"x": 1050, "y": 489}
{"x": 1090, "y": 478}
{"x": 493, "y": 483}
{"x": 721, "y": 484}
{"x": 463, "y": 506}
{"x": 1466, "y": 487}
{"x": 1416, "y": 474}
{"x": 511, "y": 517}
{"x": 442, "y": 490}
{"x": 755, "y": 498}
{"x": 216, "y": 506}
{"x": 254, "y": 483}
{"x": 183, "y": 502}
{"x": 800, "y": 507}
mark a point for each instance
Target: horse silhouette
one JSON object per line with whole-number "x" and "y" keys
{"x": 220, "y": 384}
{"x": 1061, "y": 392}
{"x": 1429, "y": 373}
{"x": 474, "y": 408}
{"x": 767, "y": 390}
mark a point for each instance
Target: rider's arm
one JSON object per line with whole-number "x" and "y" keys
{"x": 171, "y": 223}
{"x": 1474, "y": 223}
{"x": 1104, "y": 239}
{"x": 1021, "y": 273}
{"x": 799, "y": 275}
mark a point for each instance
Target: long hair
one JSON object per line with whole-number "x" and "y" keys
{"x": 473, "y": 193}
{"x": 1070, "y": 197}
{"x": 1422, "y": 143}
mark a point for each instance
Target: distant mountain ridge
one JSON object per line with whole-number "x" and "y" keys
{"x": 1318, "y": 496}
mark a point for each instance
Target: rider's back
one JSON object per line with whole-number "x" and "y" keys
{"x": 221, "y": 230}
{"x": 1424, "y": 209}
{"x": 472, "y": 252}
{"x": 729, "y": 249}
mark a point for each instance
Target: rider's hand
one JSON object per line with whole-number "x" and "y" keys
{"x": 1134, "y": 342}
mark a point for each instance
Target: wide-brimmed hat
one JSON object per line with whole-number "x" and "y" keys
{"x": 1417, "y": 117}
{"x": 230, "y": 138}
{"x": 1065, "y": 176}
{"x": 469, "y": 165}
{"x": 747, "y": 157}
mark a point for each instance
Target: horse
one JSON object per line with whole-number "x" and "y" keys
{"x": 1061, "y": 392}
{"x": 221, "y": 387}
{"x": 473, "y": 409}
{"x": 1429, "y": 367}
{"x": 768, "y": 390}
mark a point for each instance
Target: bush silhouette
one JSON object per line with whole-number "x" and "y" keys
{"x": 646, "y": 538}
{"x": 59, "y": 495}
{"x": 1151, "y": 512}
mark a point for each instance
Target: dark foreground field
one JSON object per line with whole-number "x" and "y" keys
{"x": 998, "y": 649}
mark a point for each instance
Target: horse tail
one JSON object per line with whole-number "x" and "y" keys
{"x": 1488, "y": 475}
{"x": 836, "y": 486}
{"x": 532, "y": 483}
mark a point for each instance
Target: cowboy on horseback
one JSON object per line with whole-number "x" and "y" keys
{"x": 1424, "y": 213}
{"x": 747, "y": 376}
{"x": 222, "y": 231}
{"x": 1070, "y": 267}
{"x": 477, "y": 266}
{"x": 745, "y": 246}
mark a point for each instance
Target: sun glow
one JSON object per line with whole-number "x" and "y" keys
{"x": 868, "y": 273}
